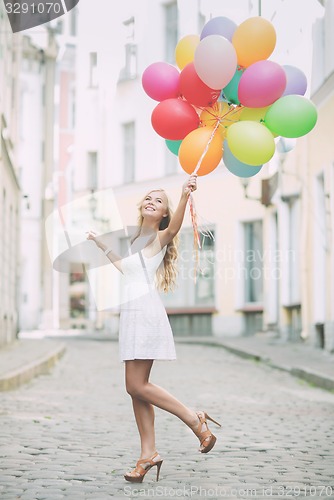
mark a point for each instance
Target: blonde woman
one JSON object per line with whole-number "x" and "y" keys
{"x": 145, "y": 333}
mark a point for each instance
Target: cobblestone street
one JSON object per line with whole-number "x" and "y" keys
{"x": 72, "y": 434}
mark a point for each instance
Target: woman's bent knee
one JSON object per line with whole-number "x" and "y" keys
{"x": 135, "y": 390}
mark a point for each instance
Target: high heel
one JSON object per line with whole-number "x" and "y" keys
{"x": 143, "y": 465}
{"x": 204, "y": 435}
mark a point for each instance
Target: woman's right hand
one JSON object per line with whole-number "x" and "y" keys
{"x": 190, "y": 185}
{"x": 91, "y": 235}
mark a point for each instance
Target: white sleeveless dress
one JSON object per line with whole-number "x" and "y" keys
{"x": 144, "y": 330}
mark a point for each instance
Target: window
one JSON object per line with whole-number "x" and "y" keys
{"x": 73, "y": 20}
{"x": 92, "y": 170}
{"x": 186, "y": 294}
{"x": 93, "y": 81}
{"x": 130, "y": 69}
{"x": 129, "y": 151}
{"x": 77, "y": 293}
{"x": 293, "y": 251}
{"x": 71, "y": 107}
{"x": 59, "y": 27}
{"x": 171, "y": 22}
{"x": 253, "y": 271}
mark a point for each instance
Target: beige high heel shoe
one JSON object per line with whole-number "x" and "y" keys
{"x": 143, "y": 465}
{"x": 206, "y": 444}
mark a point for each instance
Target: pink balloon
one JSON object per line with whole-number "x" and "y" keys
{"x": 161, "y": 81}
{"x": 215, "y": 61}
{"x": 261, "y": 84}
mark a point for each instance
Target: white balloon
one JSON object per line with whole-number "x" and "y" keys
{"x": 215, "y": 61}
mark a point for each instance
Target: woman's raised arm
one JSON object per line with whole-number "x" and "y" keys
{"x": 166, "y": 235}
{"x": 112, "y": 256}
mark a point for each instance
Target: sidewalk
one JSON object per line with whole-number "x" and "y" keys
{"x": 316, "y": 366}
{"x": 29, "y": 356}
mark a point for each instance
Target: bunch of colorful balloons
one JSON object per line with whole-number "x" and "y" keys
{"x": 226, "y": 99}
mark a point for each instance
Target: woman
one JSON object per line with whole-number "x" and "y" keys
{"x": 145, "y": 333}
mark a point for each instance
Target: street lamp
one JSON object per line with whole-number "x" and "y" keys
{"x": 92, "y": 204}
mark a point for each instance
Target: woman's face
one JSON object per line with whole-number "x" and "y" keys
{"x": 154, "y": 206}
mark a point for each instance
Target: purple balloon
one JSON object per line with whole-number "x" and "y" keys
{"x": 296, "y": 80}
{"x": 219, "y": 26}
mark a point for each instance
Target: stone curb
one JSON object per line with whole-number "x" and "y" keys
{"x": 15, "y": 378}
{"x": 314, "y": 378}
{"x": 317, "y": 379}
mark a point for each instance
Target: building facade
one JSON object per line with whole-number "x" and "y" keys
{"x": 10, "y": 189}
{"x": 36, "y": 163}
{"x": 319, "y": 191}
{"x": 256, "y": 270}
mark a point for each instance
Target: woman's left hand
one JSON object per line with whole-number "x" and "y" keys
{"x": 190, "y": 185}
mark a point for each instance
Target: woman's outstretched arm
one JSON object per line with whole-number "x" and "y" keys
{"x": 112, "y": 256}
{"x": 166, "y": 235}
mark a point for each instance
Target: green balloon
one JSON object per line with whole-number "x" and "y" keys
{"x": 173, "y": 146}
{"x": 291, "y": 116}
{"x": 231, "y": 89}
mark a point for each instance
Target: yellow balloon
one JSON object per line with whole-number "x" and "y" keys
{"x": 253, "y": 114}
{"x": 251, "y": 142}
{"x": 185, "y": 50}
{"x": 222, "y": 112}
{"x": 254, "y": 40}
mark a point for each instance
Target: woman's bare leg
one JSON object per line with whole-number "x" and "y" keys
{"x": 144, "y": 395}
{"x": 144, "y": 415}
{"x": 137, "y": 385}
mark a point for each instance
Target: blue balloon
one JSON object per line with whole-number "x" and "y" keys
{"x": 222, "y": 97}
{"x": 219, "y": 26}
{"x": 235, "y": 166}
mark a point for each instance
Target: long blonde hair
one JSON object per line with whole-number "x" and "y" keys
{"x": 167, "y": 271}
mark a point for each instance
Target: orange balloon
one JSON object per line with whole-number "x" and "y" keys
{"x": 221, "y": 112}
{"x": 193, "y": 146}
{"x": 254, "y": 40}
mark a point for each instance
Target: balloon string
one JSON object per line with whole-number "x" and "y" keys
{"x": 193, "y": 214}
{"x": 206, "y": 149}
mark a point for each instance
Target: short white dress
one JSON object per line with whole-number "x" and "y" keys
{"x": 144, "y": 329}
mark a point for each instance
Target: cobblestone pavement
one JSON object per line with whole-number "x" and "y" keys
{"x": 72, "y": 434}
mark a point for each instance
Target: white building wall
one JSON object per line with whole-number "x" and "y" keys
{"x": 10, "y": 193}
{"x": 31, "y": 165}
{"x": 105, "y": 109}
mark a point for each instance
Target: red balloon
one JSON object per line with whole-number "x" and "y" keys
{"x": 194, "y": 89}
{"x": 174, "y": 118}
